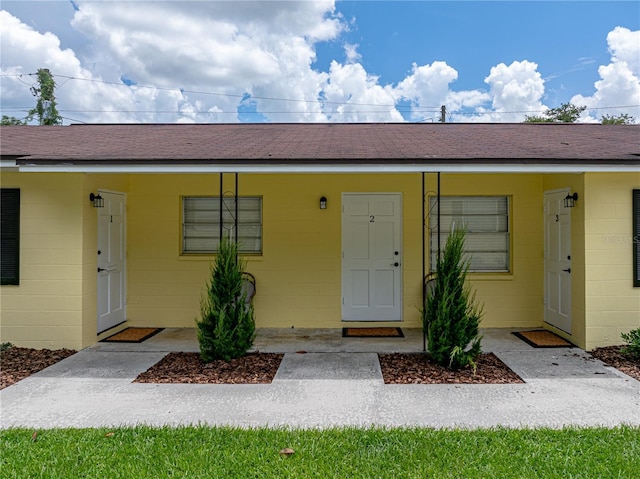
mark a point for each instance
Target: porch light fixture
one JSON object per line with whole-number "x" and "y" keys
{"x": 570, "y": 200}
{"x": 323, "y": 202}
{"x": 97, "y": 200}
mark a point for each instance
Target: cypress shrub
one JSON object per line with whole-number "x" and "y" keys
{"x": 450, "y": 317}
{"x": 226, "y": 328}
{"x": 632, "y": 344}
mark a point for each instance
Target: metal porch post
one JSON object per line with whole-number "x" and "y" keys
{"x": 424, "y": 267}
{"x": 221, "y": 201}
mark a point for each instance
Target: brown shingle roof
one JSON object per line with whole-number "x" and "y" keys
{"x": 370, "y": 143}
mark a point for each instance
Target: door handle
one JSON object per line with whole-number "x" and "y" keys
{"x": 396, "y": 264}
{"x": 568, "y": 270}
{"x": 100, "y": 270}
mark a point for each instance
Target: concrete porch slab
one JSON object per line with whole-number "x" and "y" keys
{"x": 330, "y": 340}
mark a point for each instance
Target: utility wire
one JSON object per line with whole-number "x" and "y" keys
{"x": 231, "y": 95}
{"x": 399, "y": 108}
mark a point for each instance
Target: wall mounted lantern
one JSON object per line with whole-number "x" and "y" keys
{"x": 570, "y": 200}
{"x": 97, "y": 200}
{"x": 323, "y": 202}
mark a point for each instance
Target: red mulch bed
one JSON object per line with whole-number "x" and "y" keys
{"x": 260, "y": 368}
{"x": 19, "y": 363}
{"x": 612, "y": 356}
{"x": 254, "y": 368}
{"x": 418, "y": 368}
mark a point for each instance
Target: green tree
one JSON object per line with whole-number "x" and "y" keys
{"x": 11, "y": 120}
{"x": 226, "y": 329}
{"x": 45, "y": 109}
{"x": 565, "y": 113}
{"x": 450, "y": 317}
{"x": 622, "y": 119}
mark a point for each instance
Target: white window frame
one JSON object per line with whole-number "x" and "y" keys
{"x": 201, "y": 224}
{"x": 487, "y": 220}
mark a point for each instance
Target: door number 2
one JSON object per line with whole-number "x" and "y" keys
{"x": 372, "y": 219}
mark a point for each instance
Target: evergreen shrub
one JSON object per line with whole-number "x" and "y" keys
{"x": 632, "y": 347}
{"x": 226, "y": 328}
{"x": 450, "y": 317}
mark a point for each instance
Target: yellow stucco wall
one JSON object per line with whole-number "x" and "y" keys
{"x": 45, "y": 309}
{"x": 54, "y": 305}
{"x": 298, "y": 275}
{"x": 612, "y": 303}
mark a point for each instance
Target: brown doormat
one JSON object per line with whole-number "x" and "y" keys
{"x": 372, "y": 333}
{"x": 132, "y": 335}
{"x": 542, "y": 338}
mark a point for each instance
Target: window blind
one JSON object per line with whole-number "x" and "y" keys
{"x": 486, "y": 221}
{"x": 201, "y": 223}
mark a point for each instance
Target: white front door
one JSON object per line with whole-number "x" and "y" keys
{"x": 371, "y": 257}
{"x": 111, "y": 261}
{"x": 557, "y": 261}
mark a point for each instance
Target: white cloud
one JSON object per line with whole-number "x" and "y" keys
{"x": 215, "y": 51}
{"x": 351, "y": 51}
{"x": 619, "y": 84}
{"x": 263, "y": 48}
{"x": 202, "y": 61}
{"x": 353, "y": 95}
{"x": 80, "y": 95}
{"x": 427, "y": 88}
{"x": 624, "y": 46}
{"x": 514, "y": 89}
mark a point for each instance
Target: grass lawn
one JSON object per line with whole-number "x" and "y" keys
{"x": 221, "y": 452}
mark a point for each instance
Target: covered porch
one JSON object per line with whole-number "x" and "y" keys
{"x": 303, "y": 280}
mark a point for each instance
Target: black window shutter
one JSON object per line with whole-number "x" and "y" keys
{"x": 10, "y": 235}
{"x": 636, "y": 238}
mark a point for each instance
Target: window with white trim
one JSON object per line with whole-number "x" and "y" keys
{"x": 486, "y": 221}
{"x": 201, "y": 223}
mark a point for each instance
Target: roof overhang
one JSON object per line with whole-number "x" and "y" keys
{"x": 323, "y": 148}
{"x": 319, "y": 167}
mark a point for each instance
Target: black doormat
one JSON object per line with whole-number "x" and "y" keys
{"x": 372, "y": 333}
{"x": 132, "y": 335}
{"x": 541, "y": 338}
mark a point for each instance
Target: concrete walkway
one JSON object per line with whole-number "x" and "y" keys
{"x": 337, "y": 383}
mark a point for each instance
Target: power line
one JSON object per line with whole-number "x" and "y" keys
{"x": 400, "y": 108}
{"x": 231, "y": 95}
{"x": 449, "y": 113}
{"x": 426, "y": 109}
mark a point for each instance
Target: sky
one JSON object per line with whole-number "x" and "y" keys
{"x": 149, "y": 61}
